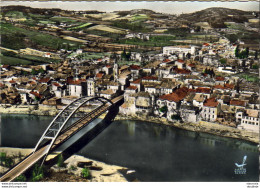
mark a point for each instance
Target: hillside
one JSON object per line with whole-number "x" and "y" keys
{"x": 216, "y": 16}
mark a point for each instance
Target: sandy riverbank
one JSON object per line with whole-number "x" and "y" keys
{"x": 42, "y": 110}
{"x": 108, "y": 173}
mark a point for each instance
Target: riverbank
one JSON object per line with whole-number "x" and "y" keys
{"x": 202, "y": 126}
{"x": 100, "y": 172}
{"x": 205, "y": 127}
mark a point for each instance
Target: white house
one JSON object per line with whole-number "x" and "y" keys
{"x": 209, "y": 110}
{"x": 248, "y": 119}
{"x": 168, "y": 50}
{"x": 90, "y": 87}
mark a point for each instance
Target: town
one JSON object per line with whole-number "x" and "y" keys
{"x": 214, "y": 79}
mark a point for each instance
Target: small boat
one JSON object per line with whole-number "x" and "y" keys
{"x": 130, "y": 171}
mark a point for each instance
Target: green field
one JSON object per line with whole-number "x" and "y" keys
{"x": 46, "y": 22}
{"x": 14, "y": 38}
{"x": 139, "y": 17}
{"x": 15, "y": 14}
{"x": 62, "y": 19}
{"x": 249, "y": 77}
{"x": 136, "y": 26}
{"x": 37, "y": 16}
{"x": 80, "y": 26}
{"x": 12, "y": 58}
{"x": 6, "y": 60}
{"x": 104, "y": 33}
{"x": 38, "y": 58}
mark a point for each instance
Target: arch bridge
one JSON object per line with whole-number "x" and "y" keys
{"x": 67, "y": 123}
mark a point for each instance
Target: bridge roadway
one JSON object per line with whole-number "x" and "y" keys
{"x": 32, "y": 158}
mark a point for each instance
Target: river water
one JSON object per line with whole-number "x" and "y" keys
{"x": 156, "y": 152}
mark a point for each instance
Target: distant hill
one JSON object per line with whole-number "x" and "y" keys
{"x": 141, "y": 11}
{"x": 216, "y": 16}
{"x": 27, "y": 10}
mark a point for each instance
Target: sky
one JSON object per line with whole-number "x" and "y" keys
{"x": 172, "y": 7}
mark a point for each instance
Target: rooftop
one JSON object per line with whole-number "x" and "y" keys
{"x": 177, "y": 95}
{"x": 211, "y": 103}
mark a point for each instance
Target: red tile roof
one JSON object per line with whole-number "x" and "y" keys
{"x": 191, "y": 65}
{"x": 150, "y": 78}
{"x": 5, "y": 66}
{"x": 138, "y": 81}
{"x": 131, "y": 88}
{"x": 220, "y": 78}
{"x": 2, "y": 85}
{"x": 229, "y": 86}
{"x": 75, "y": 82}
{"x": 32, "y": 83}
{"x": 99, "y": 75}
{"x": 180, "y": 61}
{"x": 205, "y": 44}
{"x": 219, "y": 87}
{"x": 177, "y": 95}
{"x": 166, "y": 61}
{"x": 12, "y": 81}
{"x": 36, "y": 94}
{"x": 202, "y": 90}
{"x": 44, "y": 80}
{"x": 135, "y": 67}
{"x": 182, "y": 71}
{"x": 237, "y": 102}
{"x": 211, "y": 102}
{"x": 56, "y": 84}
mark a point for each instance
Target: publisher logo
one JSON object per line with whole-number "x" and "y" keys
{"x": 240, "y": 169}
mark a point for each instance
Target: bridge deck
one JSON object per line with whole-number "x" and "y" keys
{"x": 24, "y": 165}
{"x": 39, "y": 154}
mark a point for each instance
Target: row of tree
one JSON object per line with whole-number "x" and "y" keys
{"x": 241, "y": 54}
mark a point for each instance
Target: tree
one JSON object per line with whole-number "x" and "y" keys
{"x": 247, "y": 52}
{"x": 163, "y": 109}
{"x": 2, "y": 157}
{"x": 9, "y": 53}
{"x": 85, "y": 173}
{"x": 9, "y": 162}
{"x": 123, "y": 54}
{"x": 34, "y": 72}
{"x": 41, "y": 70}
{"x": 38, "y": 173}
{"x": 188, "y": 55}
{"x": 21, "y": 178}
{"x": 223, "y": 61}
{"x": 176, "y": 117}
{"x": 256, "y": 54}
{"x": 255, "y": 66}
{"x": 60, "y": 162}
{"x": 237, "y": 51}
{"x": 128, "y": 55}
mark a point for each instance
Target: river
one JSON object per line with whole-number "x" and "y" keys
{"x": 156, "y": 152}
